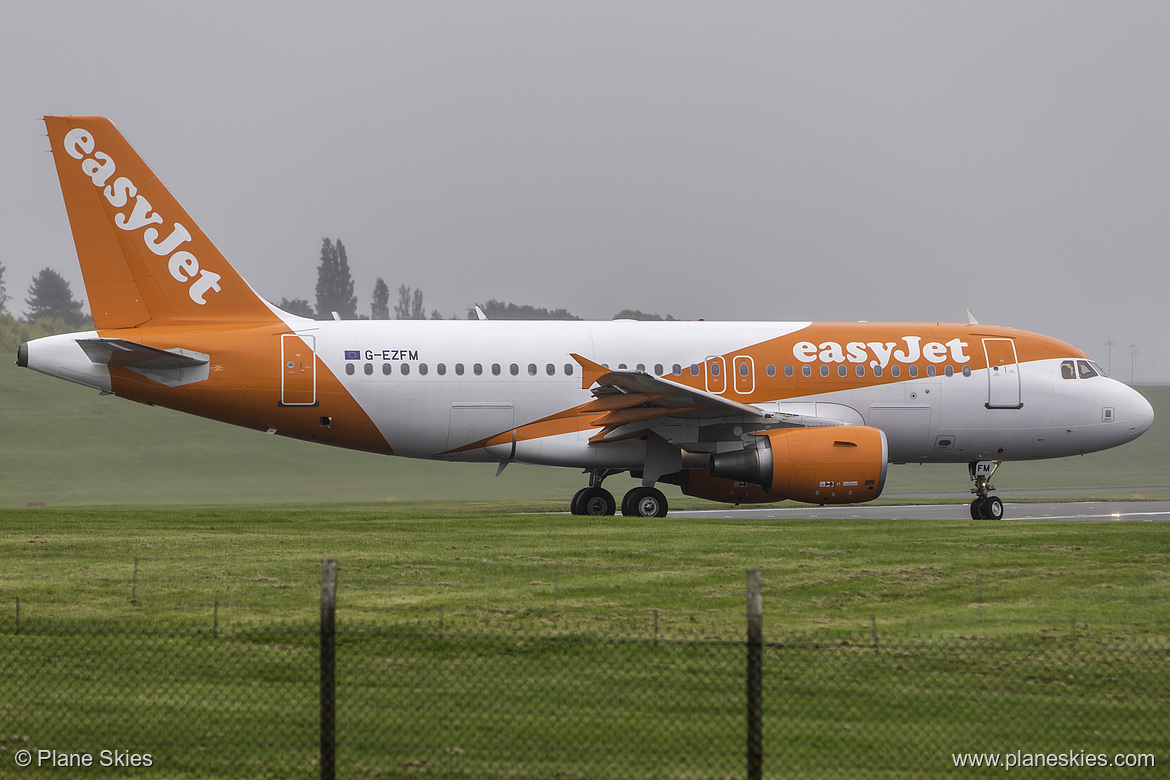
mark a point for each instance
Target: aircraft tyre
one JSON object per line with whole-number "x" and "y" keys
{"x": 593, "y": 501}
{"x": 644, "y": 502}
{"x": 992, "y": 508}
{"x": 977, "y": 509}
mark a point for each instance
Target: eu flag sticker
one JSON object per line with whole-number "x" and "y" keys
{"x": 353, "y": 354}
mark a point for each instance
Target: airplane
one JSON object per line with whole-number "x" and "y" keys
{"x": 738, "y": 412}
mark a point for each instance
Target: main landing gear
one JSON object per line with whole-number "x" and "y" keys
{"x": 596, "y": 500}
{"x": 984, "y": 506}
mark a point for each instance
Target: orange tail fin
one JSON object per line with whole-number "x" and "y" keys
{"x": 144, "y": 260}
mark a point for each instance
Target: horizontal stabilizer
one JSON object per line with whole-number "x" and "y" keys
{"x": 127, "y": 354}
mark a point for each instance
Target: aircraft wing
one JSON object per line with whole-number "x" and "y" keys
{"x": 633, "y": 402}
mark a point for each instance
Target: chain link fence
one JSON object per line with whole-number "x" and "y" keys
{"x": 474, "y": 694}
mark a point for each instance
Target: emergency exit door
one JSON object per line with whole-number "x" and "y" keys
{"x": 298, "y": 380}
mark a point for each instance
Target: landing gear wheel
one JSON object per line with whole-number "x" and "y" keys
{"x": 593, "y": 501}
{"x": 984, "y": 506}
{"x": 644, "y": 502}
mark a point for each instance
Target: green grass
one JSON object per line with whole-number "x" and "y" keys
{"x": 913, "y": 576}
{"x": 490, "y": 644}
{"x": 63, "y": 444}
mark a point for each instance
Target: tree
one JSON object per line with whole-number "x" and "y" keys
{"x": 49, "y": 296}
{"x": 3, "y": 290}
{"x": 380, "y": 301}
{"x": 410, "y": 304}
{"x": 298, "y": 306}
{"x": 334, "y": 283}
{"x": 638, "y": 314}
{"x": 498, "y": 310}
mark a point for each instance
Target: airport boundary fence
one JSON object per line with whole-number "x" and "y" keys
{"x": 440, "y": 694}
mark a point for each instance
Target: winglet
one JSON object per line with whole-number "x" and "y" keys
{"x": 971, "y": 318}
{"x": 590, "y": 372}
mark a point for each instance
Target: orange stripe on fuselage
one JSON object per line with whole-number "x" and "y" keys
{"x": 889, "y": 345}
{"x": 243, "y": 386}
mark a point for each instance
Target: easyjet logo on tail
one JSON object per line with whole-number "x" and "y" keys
{"x": 100, "y": 168}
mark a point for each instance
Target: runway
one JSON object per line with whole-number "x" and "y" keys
{"x": 1096, "y": 511}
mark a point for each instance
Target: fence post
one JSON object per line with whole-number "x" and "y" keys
{"x": 328, "y": 676}
{"x": 755, "y": 675}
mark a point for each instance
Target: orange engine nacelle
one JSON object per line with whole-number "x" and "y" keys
{"x": 843, "y": 464}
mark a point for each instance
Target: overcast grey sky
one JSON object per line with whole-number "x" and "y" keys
{"x": 823, "y": 161}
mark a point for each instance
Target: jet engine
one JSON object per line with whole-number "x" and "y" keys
{"x": 840, "y": 464}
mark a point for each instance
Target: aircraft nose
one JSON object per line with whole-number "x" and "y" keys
{"x": 1141, "y": 414}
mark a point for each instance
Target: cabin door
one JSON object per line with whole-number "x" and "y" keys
{"x": 1003, "y": 374}
{"x": 298, "y": 372}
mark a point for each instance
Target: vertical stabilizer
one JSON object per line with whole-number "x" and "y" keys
{"x": 144, "y": 260}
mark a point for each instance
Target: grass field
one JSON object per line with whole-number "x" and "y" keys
{"x": 915, "y": 576}
{"x": 489, "y": 644}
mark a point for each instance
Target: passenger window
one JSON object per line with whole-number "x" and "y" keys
{"x": 658, "y": 369}
{"x": 1086, "y": 370}
{"x": 895, "y": 370}
{"x": 931, "y": 370}
{"x": 743, "y": 369}
{"x": 860, "y": 371}
{"x": 676, "y": 369}
{"x": 368, "y": 368}
{"x": 550, "y": 369}
{"x": 495, "y": 369}
{"x": 842, "y": 371}
{"x": 478, "y": 369}
{"x": 568, "y": 369}
{"x": 458, "y": 369}
{"x": 877, "y": 370}
{"x": 442, "y": 369}
{"x": 405, "y": 369}
{"x": 386, "y": 369}
{"x": 422, "y": 369}
{"x": 770, "y": 370}
{"x": 640, "y": 367}
{"x": 349, "y": 368}
{"x": 824, "y": 370}
{"x": 714, "y": 369}
{"x": 788, "y": 369}
{"x": 531, "y": 369}
{"x": 913, "y": 371}
{"x": 514, "y": 369}
{"x": 694, "y": 369}
{"x": 949, "y": 370}
{"x": 806, "y": 369}
{"x": 966, "y": 370}
{"x": 1067, "y": 371}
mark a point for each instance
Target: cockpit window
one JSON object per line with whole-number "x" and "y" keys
{"x": 1068, "y": 370}
{"x": 1097, "y": 367}
{"x": 1085, "y": 369}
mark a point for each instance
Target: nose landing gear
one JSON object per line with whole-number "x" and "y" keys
{"x": 984, "y": 506}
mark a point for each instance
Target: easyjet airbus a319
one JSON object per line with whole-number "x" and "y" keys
{"x": 728, "y": 411}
